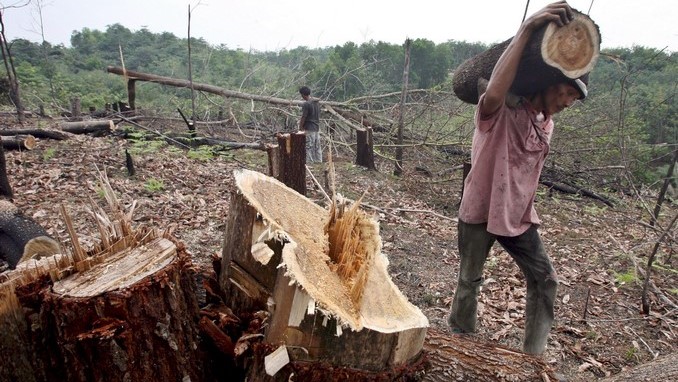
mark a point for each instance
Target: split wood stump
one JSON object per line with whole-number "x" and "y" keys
{"x": 322, "y": 277}
{"x": 552, "y": 55}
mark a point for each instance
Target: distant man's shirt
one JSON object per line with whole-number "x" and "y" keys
{"x": 310, "y": 111}
{"x": 508, "y": 153}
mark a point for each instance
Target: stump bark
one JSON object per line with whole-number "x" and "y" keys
{"x": 553, "y": 54}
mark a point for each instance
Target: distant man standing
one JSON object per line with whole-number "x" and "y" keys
{"x": 310, "y": 124}
{"x": 509, "y": 148}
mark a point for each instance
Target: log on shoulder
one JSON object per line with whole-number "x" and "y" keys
{"x": 552, "y": 55}
{"x": 325, "y": 278}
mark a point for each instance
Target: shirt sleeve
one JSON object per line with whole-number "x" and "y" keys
{"x": 486, "y": 123}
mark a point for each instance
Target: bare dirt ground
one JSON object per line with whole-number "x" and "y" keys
{"x": 596, "y": 250}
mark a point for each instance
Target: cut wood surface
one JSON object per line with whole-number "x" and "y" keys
{"x": 18, "y": 142}
{"x": 553, "y": 54}
{"x": 331, "y": 293}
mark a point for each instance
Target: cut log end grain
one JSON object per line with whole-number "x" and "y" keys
{"x": 573, "y": 48}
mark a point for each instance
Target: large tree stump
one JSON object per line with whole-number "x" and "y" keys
{"x": 365, "y": 148}
{"x": 125, "y": 310}
{"x": 292, "y": 161}
{"x": 322, "y": 276}
{"x": 552, "y": 55}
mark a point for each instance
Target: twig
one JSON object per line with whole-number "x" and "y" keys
{"x": 656, "y": 289}
{"x": 318, "y": 184}
{"x": 650, "y": 260}
{"x": 654, "y": 355}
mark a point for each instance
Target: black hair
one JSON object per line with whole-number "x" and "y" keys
{"x": 305, "y": 90}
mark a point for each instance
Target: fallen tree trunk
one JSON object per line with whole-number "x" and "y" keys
{"x": 18, "y": 142}
{"x": 461, "y": 358}
{"x": 88, "y": 127}
{"x": 22, "y": 238}
{"x": 553, "y": 54}
{"x": 660, "y": 369}
{"x": 569, "y": 189}
{"x": 37, "y": 133}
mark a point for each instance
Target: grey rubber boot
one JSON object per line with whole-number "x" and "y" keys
{"x": 464, "y": 311}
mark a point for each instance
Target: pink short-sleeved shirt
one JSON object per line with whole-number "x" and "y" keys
{"x": 507, "y": 156}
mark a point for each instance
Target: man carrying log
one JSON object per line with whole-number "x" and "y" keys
{"x": 510, "y": 144}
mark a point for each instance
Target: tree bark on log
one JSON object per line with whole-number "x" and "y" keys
{"x": 88, "y": 127}
{"x": 661, "y": 369}
{"x": 5, "y": 188}
{"x": 551, "y": 56}
{"x": 37, "y": 133}
{"x": 18, "y": 142}
{"x": 461, "y": 358}
{"x": 22, "y": 238}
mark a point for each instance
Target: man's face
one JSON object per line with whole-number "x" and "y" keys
{"x": 560, "y": 96}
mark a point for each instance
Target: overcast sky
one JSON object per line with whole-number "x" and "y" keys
{"x": 272, "y": 25}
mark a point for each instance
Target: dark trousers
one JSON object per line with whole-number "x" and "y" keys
{"x": 528, "y": 252}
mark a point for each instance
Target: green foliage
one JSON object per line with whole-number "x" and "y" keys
{"x": 203, "y": 153}
{"x": 154, "y": 185}
{"x": 628, "y": 119}
{"x": 628, "y": 277}
{"x": 48, "y": 154}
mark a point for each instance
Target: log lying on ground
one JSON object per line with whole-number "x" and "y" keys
{"x": 552, "y": 55}
{"x": 18, "y": 142}
{"x": 462, "y": 358}
{"x": 664, "y": 368}
{"x": 37, "y": 133}
{"x": 22, "y": 238}
{"x": 88, "y": 127}
{"x": 124, "y": 311}
{"x": 323, "y": 276}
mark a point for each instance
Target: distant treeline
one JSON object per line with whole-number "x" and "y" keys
{"x": 52, "y": 74}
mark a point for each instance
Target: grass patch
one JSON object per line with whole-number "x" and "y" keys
{"x": 154, "y": 185}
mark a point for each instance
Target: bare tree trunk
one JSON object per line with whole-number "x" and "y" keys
{"x": 14, "y": 92}
{"x": 665, "y": 187}
{"x": 398, "y": 170}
